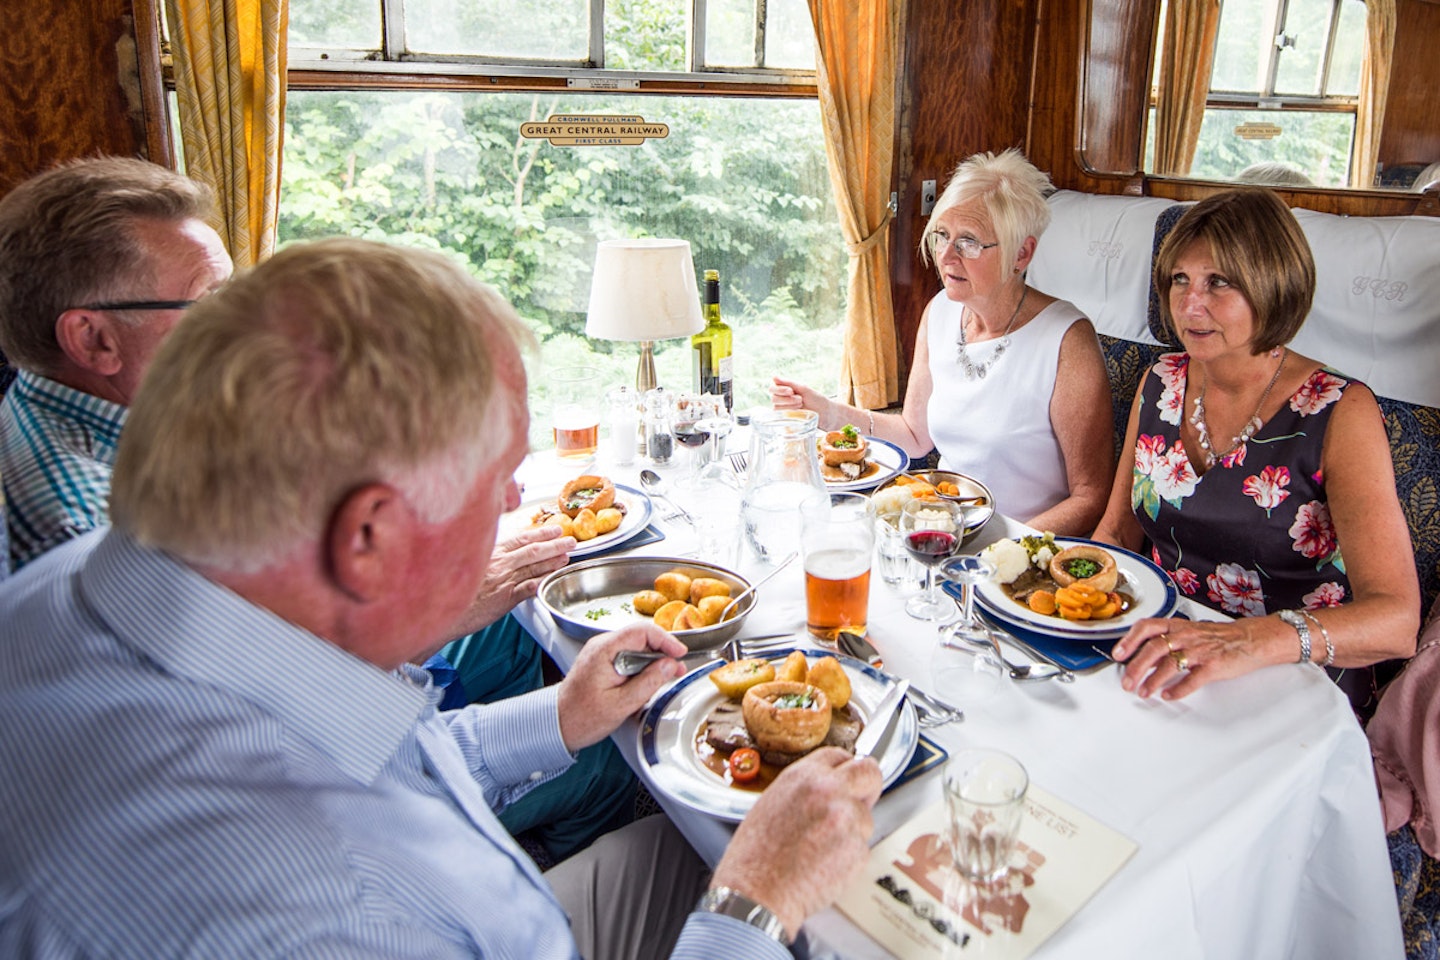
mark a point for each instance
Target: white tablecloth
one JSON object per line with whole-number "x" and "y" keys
{"x": 1253, "y": 801}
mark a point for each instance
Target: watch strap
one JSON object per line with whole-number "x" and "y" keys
{"x": 731, "y": 903}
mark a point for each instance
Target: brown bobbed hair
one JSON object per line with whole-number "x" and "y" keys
{"x": 1259, "y": 247}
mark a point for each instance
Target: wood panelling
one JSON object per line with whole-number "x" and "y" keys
{"x": 1412, "y": 113}
{"x": 1115, "y": 69}
{"x": 966, "y": 90}
{"x": 70, "y": 84}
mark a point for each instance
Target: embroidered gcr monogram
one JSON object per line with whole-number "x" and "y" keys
{"x": 1380, "y": 288}
{"x": 1105, "y": 249}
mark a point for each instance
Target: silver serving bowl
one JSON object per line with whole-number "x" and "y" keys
{"x": 968, "y": 487}
{"x": 573, "y": 596}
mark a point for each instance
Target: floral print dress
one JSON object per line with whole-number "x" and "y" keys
{"x": 1253, "y": 535}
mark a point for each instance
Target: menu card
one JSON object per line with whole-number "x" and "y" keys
{"x": 1061, "y": 858}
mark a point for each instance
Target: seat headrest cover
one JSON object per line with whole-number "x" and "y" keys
{"x": 1376, "y": 314}
{"x": 1097, "y": 254}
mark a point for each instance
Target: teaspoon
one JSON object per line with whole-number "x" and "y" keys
{"x": 655, "y": 486}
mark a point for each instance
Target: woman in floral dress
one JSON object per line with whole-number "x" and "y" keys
{"x": 1257, "y": 478}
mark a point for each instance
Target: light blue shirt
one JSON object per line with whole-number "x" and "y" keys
{"x": 175, "y": 781}
{"x": 57, "y": 450}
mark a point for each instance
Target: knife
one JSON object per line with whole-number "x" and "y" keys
{"x": 880, "y": 719}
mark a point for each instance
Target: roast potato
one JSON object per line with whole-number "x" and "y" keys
{"x": 794, "y": 669}
{"x": 702, "y": 587}
{"x": 646, "y": 602}
{"x": 674, "y": 584}
{"x": 733, "y": 679}
{"x": 827, "y": 674}
{"x": 665, "y": 617}
{"x": 711, "y": 608}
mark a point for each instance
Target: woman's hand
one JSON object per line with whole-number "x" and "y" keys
{"x": 1177, "y": 657}
{"x": 789, "y": 395}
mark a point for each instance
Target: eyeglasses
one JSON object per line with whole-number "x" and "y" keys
{"x": 967, "y": 247}
{"x": 140, "y": 305}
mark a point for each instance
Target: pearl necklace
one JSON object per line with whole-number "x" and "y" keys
{"x": 977, "y": 371}
{"x": 1202, "y": 430}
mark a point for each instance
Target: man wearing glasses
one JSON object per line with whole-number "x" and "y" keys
{"x": 98, "y": 260}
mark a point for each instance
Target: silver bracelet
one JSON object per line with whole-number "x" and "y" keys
{"x": 1301, "y": 627}
{"x": 1324, "y": 635}
{"x": 732, "y": 903}
{"x": 872, "y": 422}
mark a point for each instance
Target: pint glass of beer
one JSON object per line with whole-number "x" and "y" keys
{"x": 575, "y": 410}
{"x": 837, "y": 539}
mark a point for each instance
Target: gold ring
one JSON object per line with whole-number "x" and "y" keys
{"x": 1168, "y": 645}
{"x": 1181, "y": 663}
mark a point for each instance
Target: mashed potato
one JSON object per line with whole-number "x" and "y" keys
{"x": 1010, "y": 559}
{"x": 889, "y": 503}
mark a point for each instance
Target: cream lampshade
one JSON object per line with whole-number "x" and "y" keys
{"x": 643, "y": 290}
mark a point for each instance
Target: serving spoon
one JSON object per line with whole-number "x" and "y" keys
{"x": 978, "y": 498}
{"x": 754, "y": 586}
{"x": 655, "y": 486}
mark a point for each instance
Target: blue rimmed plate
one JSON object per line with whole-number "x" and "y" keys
{"x": 638, "y": 509}
{"x": 1154, "y": 594}
{"x": 671, "y": 723}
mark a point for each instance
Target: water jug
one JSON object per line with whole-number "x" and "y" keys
{"x": 784, "y": 472}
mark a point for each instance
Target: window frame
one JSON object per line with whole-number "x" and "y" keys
{"x": 1268, "y": 99}
{"x": 394, "y": 67}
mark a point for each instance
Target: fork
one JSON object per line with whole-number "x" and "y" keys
{"x": 738, "y": 463}
{"x": 932, "y": 711}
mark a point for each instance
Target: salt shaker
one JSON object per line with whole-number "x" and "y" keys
{"x": 624, "y": 406}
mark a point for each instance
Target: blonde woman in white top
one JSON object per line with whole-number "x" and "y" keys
{"x": 1007, "y": 383}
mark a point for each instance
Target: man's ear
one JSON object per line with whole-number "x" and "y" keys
{"x": 368, "y": 541}
{"x": 89, "y": 340}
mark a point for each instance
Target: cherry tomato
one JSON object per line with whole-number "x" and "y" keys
{"x": 744, "y": 765}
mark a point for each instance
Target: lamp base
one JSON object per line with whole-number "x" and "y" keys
{"x": 645, "y": 372}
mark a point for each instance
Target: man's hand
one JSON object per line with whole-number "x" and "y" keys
{"x": 807, "y": 836}
{"x": 517, "y": 566}
{"x": 594, "y": 699}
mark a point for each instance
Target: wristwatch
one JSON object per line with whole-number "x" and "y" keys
{"x": 1297, "y": 621}
{"x": 730, "y": 903}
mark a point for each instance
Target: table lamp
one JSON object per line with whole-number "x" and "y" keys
{"x": 643, "y": 290}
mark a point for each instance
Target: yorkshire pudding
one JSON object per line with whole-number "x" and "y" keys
{"x": 843, "y": 446}
{"x": 586, "y": 490}
{"x": 786, "y": 716}
{"x": 1085, "y": 564}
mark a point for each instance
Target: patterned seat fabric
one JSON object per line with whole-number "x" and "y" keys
{"x": 1126, "y": 362}
{"x": 1414, "y": 433}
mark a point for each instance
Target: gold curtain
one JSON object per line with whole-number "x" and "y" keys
{"x": 857, "y": 43}
{"x": 230, "y": 82}
{"x": 1190, "y": 29}
{"x": 1374, "y": 88}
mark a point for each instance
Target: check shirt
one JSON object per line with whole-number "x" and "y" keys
{"x": 175, "y": 782}
{"x": 57, "y": 450}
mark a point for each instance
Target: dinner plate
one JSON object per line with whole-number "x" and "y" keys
{"x": 671, "y": 722}
{"x": 888, "y": 457}
{"x": 1154, "y": 592}
{"x": 637, "y": 517}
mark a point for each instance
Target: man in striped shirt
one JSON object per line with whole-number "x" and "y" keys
{"x": 98, "y": 258}
{"x": 309, "y": 485}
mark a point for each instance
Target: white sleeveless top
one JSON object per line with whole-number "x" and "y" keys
{"x": 997, "y": 429}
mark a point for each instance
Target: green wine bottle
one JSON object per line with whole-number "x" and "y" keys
{"x": 714, "y": 373}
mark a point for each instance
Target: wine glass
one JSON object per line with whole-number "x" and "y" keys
{"x": 932, "y": 531}
{"x": 968, "y": 571}
{"x": 694, "y": 416}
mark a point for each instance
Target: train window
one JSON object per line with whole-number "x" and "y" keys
{"x": 1284, "y": 90}
{"x": 407, "y": 126}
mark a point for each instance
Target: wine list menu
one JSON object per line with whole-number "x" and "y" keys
{"x": 911, "y": 900}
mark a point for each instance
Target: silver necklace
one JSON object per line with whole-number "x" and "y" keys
{"x": 1202, "y": 430}
{"x": 977, "y": 371}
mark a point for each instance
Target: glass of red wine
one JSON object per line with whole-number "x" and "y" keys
{"x": 695, "y": 426}
{"x": 932, "y": 531}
